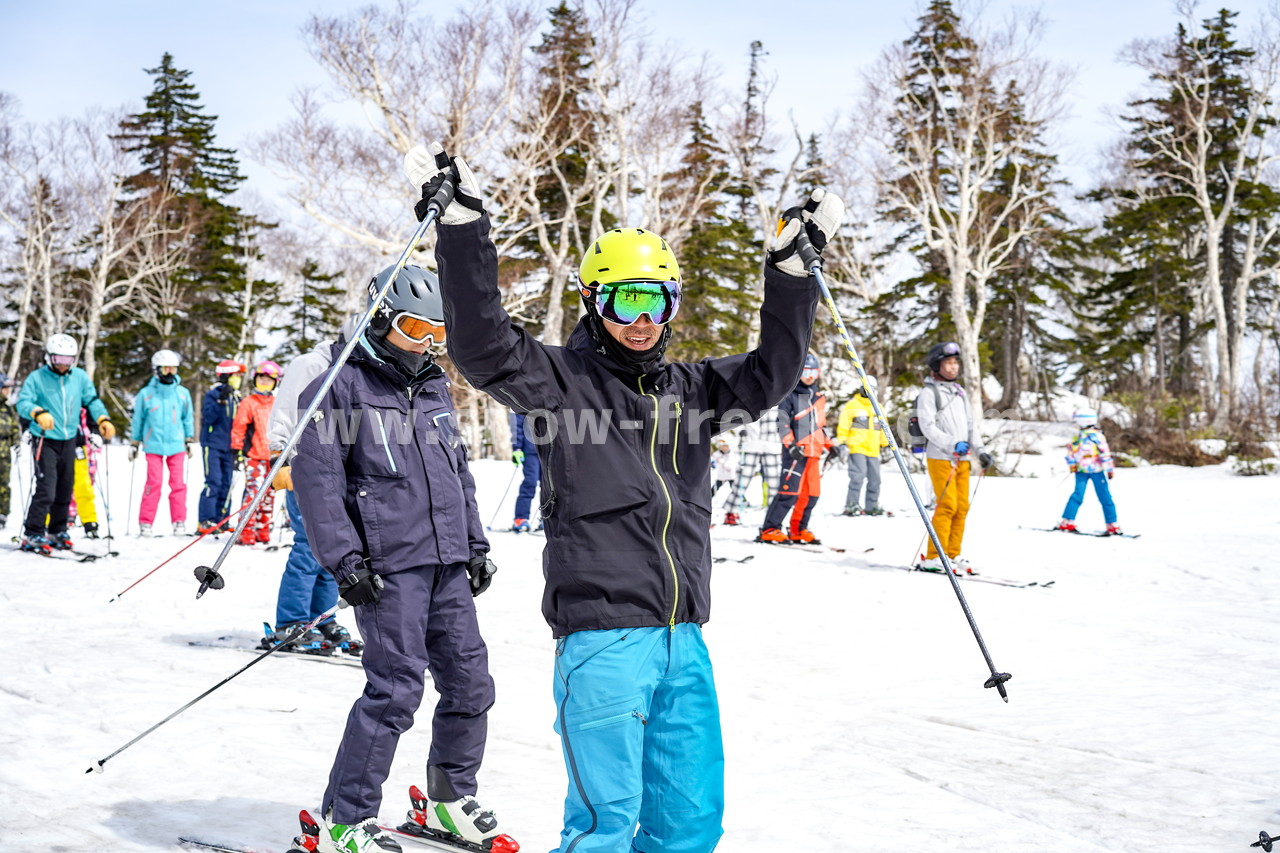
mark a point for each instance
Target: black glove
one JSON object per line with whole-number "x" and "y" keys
{"x": 985, "y": 459}
{"x": 428, "y": 169}
{"x": 224, "y": 392}
{"x": 796, "y": 452}
{"x": 361, "y": 587}
{"x": 133, "y": 451}
{"x": 481, "y": 569}
{"x": 843, "y": 450}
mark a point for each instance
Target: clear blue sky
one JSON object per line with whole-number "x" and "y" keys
{"x": 60, "y": 57}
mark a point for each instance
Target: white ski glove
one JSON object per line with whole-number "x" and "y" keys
{"x": 428, "y": 170}
{"x": 821, "y": 216}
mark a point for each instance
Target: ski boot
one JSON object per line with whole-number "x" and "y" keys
{"x": 309, "y": 840}
{"x": 36, "y": 543}
{"x": 179, "y": 528}
{"x": 460, "y": 821}
{"x": 207, "y": 527}
{"x": 875, "y": 510}
{"x": 932, "y": 564}
{"x": 340, "y": 637}
{"x": 144, "y": 530}
{"x": 520, "y": 525}
{"x": 731, "y": 519}
{"x": 1113, "y": 529}
{"x": 803, "y": 537}
{"x": 362, "y": 837}
{"x": 961, "y": 565}
{"x": 1067, "y": 525}
{"x": 311, "y": 642}
{"x": 773, "y": 536}
{"x": 60, "y": 541}
{"x": 90, "y": 530}
{"x": 852, "y": 509}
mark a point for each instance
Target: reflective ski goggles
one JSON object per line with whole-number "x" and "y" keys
{"x": 418, "y": 329}
{"x": 62, "y": 360}
{"x": 949, "y": 349}
{"x": 623, "y": 302}
{"x": 810, "y": 373}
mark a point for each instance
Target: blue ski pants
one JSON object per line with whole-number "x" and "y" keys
{"x": 1100, "y": 487}
{"x": 424, "y": 620}
{"x": 529, "y": 485}
{"x": 219, "y": 467}
{"x": 306, "y": 589}
{"x": 639, "y": 726}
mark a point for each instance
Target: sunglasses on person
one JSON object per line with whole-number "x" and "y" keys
{"x": 418, "y": 329}
{"x": 623, "y": 302}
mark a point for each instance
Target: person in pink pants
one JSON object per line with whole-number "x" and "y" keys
{"x": 163, "y": 427}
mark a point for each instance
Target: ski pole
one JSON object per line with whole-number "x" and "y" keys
{"x": 813, "y": 262}
{"x": 217, "y": 527}
{"x": 515, "y": 470}
{"x": 297, "y": 632}
{"x": 1265, "y": 841}
{"x": 208, "y": 575}
{"x": 128, "y": 510}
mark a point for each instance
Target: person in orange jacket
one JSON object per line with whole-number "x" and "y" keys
{"x": 802, "y": 419}
{"x": 249, "y": 437}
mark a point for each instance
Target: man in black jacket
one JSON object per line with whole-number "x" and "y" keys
{"x": 625, "y": 443}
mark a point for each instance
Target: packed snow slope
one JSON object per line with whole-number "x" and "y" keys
{"x": 1142, "y": 712}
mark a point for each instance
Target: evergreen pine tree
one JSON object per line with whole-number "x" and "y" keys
{"x": 314, "y": 315}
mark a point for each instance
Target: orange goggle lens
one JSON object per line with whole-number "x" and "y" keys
{"x": 418, "y": 329}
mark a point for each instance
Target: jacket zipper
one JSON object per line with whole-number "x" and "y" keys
{"x": 666, "y": 523}
{"x": 675, "y": 441}
{"x": 385, "y": 446}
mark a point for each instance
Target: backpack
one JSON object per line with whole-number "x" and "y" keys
{"x": 915, "y": 436}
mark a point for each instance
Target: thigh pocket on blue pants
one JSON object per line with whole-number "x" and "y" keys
{"x": 606, "y": 748}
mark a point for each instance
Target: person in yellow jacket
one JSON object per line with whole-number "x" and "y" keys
{"x": 859, "y": 436}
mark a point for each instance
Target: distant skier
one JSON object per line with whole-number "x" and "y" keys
{"x": 860, "y": 438}
{"x": 84, "y": 504}
{"x": 724, "y": 468}
{"x": 760, "y": 453}
{"x": 525, "y": 454}
{"x": 164, "y": 427}
{"x": 306, "y": 589}
{"x": 389, "y": 505}
{"x": 10, "y": 433}
{"x": 802, "y": 417}
{"x": 952, "y": 438}
{"x": 51, "y": 398}
{"x": 249, "y": 437}
{"x": 627, "y": 561}
{"x": 217, "y": 413}
{"x": 1089, "y": 458}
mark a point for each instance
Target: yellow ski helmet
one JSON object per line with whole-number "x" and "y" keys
{"x": 627, "y": 254}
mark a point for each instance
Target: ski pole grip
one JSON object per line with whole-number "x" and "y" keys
{"x": 444, "y": 195}
{"x": 809, "y": 256}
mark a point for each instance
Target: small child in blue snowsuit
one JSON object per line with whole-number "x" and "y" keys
{"x": 1089, "y": 459}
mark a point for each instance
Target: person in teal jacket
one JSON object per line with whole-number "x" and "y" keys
{"x": 164, "y": 427}
{"x": 51, "y": 399}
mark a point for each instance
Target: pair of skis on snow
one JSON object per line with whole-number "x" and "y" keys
{"x": 414, "y": 828}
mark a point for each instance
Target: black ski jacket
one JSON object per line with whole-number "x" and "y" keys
{"x": 626, "y": 458}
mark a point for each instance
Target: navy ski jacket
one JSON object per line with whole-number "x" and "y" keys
{"x": 626, "y": 458}
{"x": 217, "y": 411}
{"x": 381, "y": 471}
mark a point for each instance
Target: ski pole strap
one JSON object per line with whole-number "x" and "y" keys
{"x": 809, "y": 256}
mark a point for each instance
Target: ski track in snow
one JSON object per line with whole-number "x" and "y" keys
{"x": 1141, "y": 712}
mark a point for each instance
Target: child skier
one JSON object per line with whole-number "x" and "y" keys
{"x": 860, "y": 436}
{"x": 724, "y": 467}
{"x": 761, "y": 454}
{"x": 627, "y": 560}
{"x": 83, "y": 501}
{"x": 249, "y": 433}
{"x": 525, "y": 454}
{"x": 51, "y": 398}
{"x": 802, "y": 417}
{"x": 164, "y": 427}
{"x": 306, "y": 589}
{"x": 952, "y": 438}
{"x": 389, "y": 506}
{"x": 217, "y": 413}
{"x": 1089, "y": 458}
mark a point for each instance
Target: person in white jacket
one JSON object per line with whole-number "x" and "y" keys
{"x": 760, "y": 453}
{"x": 946, "y": 420}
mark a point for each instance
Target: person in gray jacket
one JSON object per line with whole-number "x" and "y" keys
{"x": 952, "y": 440}
{"x": 306, "y": 589}
{"x": 388, "y": 500}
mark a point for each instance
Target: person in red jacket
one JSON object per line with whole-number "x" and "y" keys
{"x": 249, "y": 436}
{"x": 802, "y": 417}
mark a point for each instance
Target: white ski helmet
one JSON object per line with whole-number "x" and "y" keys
{"x": 165, "y": 358}
{"x": 871, "y": 383}
{"x": 61, "y": 345}
{"x": 1086, "y": 418}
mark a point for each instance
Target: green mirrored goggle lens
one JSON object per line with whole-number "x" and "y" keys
{"x": 624, "y": 302}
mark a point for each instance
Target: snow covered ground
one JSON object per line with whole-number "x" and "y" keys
{"x": 1142, "y": 711}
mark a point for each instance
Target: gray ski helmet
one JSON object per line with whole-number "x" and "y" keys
{"x": 938, "y": 352}
{"x": 811, "y": 362}
{"x": 416, "y": 291}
